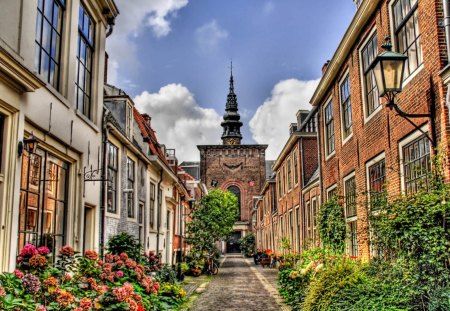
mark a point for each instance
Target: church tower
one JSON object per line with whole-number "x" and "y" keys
{"x": 231, "y": 119}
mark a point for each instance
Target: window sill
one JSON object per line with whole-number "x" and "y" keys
{"x": 132, "y": 219}
{"x": 413, "y": 75}
{"x": 113, "y": 215}
{"x": 330, "y": 155}
{"x": 345, "y": 140}
{"x": 375, "y": 112}
{"x": 351, "y": 219}
{"x": 87, "y": 120}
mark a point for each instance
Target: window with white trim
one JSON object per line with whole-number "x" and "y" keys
{"x": 49, "y": 23}
{"x": 85, "y": 52}
{"x": 130, "y": 188}
{"x": 112, "y": 178}
{"x": 152, "y": 205}
{"x": 329, "y": 128}
{"x": 346, "y": 107}
{"x": 129, "y": 121}
{"x": 295, "y": 167}
{"x": 407, "y": 34}
{"x": 377, "y": 179}
{"x": 368, "y": 54}
{"x": 289, "y": 175}
{"x": 350, "y": 215}
{"x": 141, "y": 222}
{"x": 417, "y": 165}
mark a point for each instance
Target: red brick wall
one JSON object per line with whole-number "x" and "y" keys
{"x": 384, "y": 131}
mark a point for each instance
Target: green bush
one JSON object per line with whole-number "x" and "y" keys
{"x": 125, "y": 243}
{"x": 247, "y": 244}
{"x": 332, "y": 225}
{"x": 292, "y": 287}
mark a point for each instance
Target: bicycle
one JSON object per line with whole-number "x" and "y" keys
{"x": 212, "y": 268}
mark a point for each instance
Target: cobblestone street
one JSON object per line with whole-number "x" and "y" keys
{"x": 240, "y": 285}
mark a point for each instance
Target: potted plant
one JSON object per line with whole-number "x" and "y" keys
{"x": 196, "y": 267}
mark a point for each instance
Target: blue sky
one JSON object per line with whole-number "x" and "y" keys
{"x": 172, "y": 57}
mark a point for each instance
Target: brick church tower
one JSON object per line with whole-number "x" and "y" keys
{"x": 232, "y": 166}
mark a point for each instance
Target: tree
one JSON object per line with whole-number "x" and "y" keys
{"x": 212, "y": 220}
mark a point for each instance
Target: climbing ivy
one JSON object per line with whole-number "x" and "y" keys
{"x": 332, "y": 225}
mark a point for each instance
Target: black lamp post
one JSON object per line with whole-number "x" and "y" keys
{"x": 388, "y": 68}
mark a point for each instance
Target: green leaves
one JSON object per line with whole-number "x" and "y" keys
{"x": 212, "y": 220}
{"x": 332, "y": 225}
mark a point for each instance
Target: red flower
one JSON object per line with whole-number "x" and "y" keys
{"x": 67, "y": 250}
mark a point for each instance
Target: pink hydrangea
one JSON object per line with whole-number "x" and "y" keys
{"x": 43, "y": 250}
{"x": 41, "y": 308}
{"x": 2, "y": 291}
{"x": 18, "y": 273}
{"x": 28, "y": 250}
{"x": 119, "y": 274}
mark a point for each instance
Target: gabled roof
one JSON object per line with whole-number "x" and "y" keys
{"x": 149, "y": 136}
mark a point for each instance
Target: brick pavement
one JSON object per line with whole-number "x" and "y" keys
{"x": 240, "y": 285}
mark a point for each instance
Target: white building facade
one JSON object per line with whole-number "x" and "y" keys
{"x": 52, "y": 56}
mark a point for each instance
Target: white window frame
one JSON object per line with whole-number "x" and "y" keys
{"x": 394, "y": 42}
{"x": 295, "y": 167}
{"x": 119, "y": 193}
{"x": 363, "y": 84}
{"x": 325, "y": 134}
{"x": 329, "y": 189}
{"x": 314, "y": 218}
{"x": 343, "y": 138}
{"x": 369, "y": 163}
{"x": 289, "y": 178}
{"x": 347, "y": 177}
{"x": 412, "y": 136}
{"x": 135, "y": 160}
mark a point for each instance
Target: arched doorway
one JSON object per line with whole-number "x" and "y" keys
{"x": 237, "y": 192}
{"x": 233, "y": 241}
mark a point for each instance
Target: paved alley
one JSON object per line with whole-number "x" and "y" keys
{"x": 240, "y": 285}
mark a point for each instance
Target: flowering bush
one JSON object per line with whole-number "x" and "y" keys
{"x": 78, "y": 283}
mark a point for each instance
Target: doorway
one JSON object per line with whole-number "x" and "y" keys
{"x": 233, "y": 246}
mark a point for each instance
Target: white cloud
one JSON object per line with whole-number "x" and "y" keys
{"x": 270, "y": 125}
{"x": 134, "y": 17}
{"x": 210, "y": 35}
{"x": 179, "y": 121}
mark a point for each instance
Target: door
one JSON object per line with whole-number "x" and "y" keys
{"x": 233, "y": 243}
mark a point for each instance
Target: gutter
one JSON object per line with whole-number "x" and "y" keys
{"x": 446, "y": 9}
{"x": 104, "y": 185}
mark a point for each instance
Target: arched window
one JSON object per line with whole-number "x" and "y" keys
{"x": 235, "y": 190}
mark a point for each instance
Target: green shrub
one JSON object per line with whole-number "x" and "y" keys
{"x": 292, "y": 287}
{"x": 247, "y": 244}
{"x": 166, "y": 274}
{"x": 332, "y": 225}
{"x": 125, "y": 243}
{"x": 324, "y": 287}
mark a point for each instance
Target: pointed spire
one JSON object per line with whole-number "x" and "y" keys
{"x": 231, "y": 120}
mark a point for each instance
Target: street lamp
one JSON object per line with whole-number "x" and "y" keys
{"x": 388, "y": 68}
{"x": 29, "y": 145}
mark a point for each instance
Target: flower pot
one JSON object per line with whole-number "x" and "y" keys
{"x": 196, "y": 271}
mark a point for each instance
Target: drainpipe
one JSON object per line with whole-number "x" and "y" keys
{"x": 158, "y": 218}
{"x": 446, "y": 8}
{"x": 104, "y": 184}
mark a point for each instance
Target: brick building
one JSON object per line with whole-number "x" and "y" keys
{"x": 365, "y": 148}
{"x": 286, "y": 209}
{"x": 235, "y": 167}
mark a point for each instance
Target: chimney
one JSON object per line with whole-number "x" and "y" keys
{"x": 301, "y": 117}
{"x": 325, "y": 67}
{"x": 148, "y": 119}
{"x": 105, "y": 74}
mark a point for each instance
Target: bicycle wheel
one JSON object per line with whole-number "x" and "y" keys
{"x": 214, "y": 268}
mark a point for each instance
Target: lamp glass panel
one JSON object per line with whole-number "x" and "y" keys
{"x": 393, "y": 74}
{"x": 378, "y": 73}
